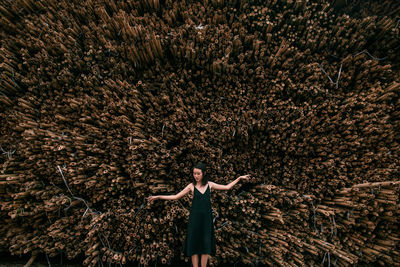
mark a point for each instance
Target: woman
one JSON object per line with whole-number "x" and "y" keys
{"x": 200, "y": 238}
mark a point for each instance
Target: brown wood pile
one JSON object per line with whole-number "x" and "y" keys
{"x": 103, "y": 103}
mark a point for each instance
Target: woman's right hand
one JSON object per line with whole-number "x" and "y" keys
{"x": 151, "y": 198}
{"x": 245, "y": 177}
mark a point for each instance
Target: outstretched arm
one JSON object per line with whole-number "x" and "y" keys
{"x": 230, "y": 185}
{"x": 171, "y": 197}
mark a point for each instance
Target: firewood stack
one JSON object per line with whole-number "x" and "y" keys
{"x": 104, "y": 103}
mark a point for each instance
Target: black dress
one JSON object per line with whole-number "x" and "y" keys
{"x": 200, "y": 237}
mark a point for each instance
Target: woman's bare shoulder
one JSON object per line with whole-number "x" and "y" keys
{"x": 191, "y": 186}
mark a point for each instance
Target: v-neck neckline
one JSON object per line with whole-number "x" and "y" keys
{"x": 204, "y": 190}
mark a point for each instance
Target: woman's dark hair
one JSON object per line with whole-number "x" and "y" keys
{"x": 202, "y": 167}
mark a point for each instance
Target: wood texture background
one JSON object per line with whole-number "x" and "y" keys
{"x": 103, "y": 103}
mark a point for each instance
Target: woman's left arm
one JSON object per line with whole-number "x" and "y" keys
{"x": 230, "y": 185}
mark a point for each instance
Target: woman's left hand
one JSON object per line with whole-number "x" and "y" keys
{"x": 245, "y": 177}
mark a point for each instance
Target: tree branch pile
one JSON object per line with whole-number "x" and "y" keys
{"x": 104, "y": 103}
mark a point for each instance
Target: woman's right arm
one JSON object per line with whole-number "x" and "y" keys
{"x": 171, "y": 197}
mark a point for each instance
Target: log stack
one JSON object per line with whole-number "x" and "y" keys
{"x": 104, "y": 103}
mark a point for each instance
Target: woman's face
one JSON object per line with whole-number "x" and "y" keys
{"x": 197, "y": 174}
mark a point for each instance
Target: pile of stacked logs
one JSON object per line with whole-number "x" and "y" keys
{"x": 103, "y": 103}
